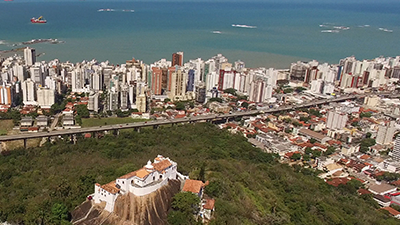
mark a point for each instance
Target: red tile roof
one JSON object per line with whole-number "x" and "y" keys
{"x": 391, "y": 210}
{"x": 193, "y": 186}
{"x": 209, "y": 204}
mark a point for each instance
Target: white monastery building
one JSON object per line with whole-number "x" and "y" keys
{"x": 140, "y": 182}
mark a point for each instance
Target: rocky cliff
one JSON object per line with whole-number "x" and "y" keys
{"x": 129, "y": 209}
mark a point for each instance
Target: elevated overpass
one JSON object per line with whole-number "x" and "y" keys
{"x": 157, "y": 123}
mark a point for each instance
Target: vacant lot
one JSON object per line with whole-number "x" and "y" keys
{"x": 109, "y": 121}
{"x": 6, "y": 126}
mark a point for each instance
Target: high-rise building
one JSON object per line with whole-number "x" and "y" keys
{"x": 201, "y": 93}
{"x": 396, "y": 149}
{"x": 190, "y": 81}
{"x": 6, "y": 94}
{"x": 93, "y": 103}
{"x": 177, "y": 59}
{"x": 386, "y": 133}
{"x": 178, "y": 85}
{"x": 29, "y": 56}
{"x": 298, "y": 71}
{"x": 124, "y": 97}
{"x": 141, "y": 103}
{"x": 156, "y": 81}
{"x": 29, "y": 92}
{"x": 45, "y": 97}
{"x": 37, "y": 75}
{"x": 336, "y": 120}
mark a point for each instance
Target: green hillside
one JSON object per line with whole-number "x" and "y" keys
{"x": 39, "y": 185}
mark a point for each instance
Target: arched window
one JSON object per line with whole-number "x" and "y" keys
{"x": 160, "y": 176}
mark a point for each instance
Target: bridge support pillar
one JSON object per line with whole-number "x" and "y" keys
{"x": 137, "y": 129}
{"x": 25, "y": 140}
{"x": 155, "y": 127}
{"x": 116, "y": 132}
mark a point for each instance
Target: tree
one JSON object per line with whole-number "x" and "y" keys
{"x": 316, "y": 153}
{"x": 330, "y": 150}
{"x": 215, "y": 100}
{"x": 368, "y": 135}
{"x": 308, "y": 150}
{"x": 202, "y": 172}
{"x": 306, "y": 157}
{"x": 166, "y": 100}
{"x": 82, "y": 111}
{"x": 245, "y": 105}
{"x": 296, "y": 156}
{"x": 312, "y": 140}
{"x": 365, "y": 114}
{"x": 368, "y": 142}
{"x": 59, "y": 214}
{"x": 180, "y": 106}
{"x": 185, "y": 202}
{"x": 304, "y": 119}
{"x": 231, "y": 91}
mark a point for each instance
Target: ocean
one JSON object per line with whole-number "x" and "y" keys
{"x": 276, "y": 33}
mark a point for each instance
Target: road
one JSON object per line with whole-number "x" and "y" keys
{"x": 212, "y": 117}
{"x": 52, "y": 126}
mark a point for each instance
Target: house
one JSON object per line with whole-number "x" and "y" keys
{"x": 141, "y": 182}
{"x": 382, "y": 200}
{"x": 315, "y": 135}
{"x": 393, "y": 212}
{"x": 27, "y": 121}
{"x": 194, "y": 186}
{"x": 382, "y": 189}
{"x": 206, "y": 209}
{"x": 68, "y": 120}
{"x": 42, "y": 121}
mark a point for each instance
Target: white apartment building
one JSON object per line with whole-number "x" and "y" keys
{"x": 336, "y": 120}
{"x": 45, "y": 97}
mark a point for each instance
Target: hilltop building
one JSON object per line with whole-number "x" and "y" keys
{"x": 140, "y": 182}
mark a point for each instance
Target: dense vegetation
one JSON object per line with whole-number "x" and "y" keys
{"x": 250, "y": 187}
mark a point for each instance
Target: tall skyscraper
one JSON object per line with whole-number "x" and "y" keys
{"x": 156, "y": 81}
{"x": 6, "y": 94}
{"x": 29, "y": 56}
{"x": 45, "y": 97}
{"x": 386, "y": 133}
{"x": 177, "y": 59}
{"x": 336, "y": 120}
{"x": 28, "y": 92}
{"x": 396, "y": 149}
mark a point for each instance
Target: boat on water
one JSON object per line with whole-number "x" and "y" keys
{"x": 217, "y": 32}
{"x": 38, "y": 20}
{"x": 243, "y": 26}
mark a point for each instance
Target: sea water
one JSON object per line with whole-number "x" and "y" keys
{"x": 273, "y": 35}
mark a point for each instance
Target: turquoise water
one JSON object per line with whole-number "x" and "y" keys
{"x": 284, "y": 33}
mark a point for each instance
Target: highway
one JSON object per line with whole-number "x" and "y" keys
{"x": 212, "y": 117}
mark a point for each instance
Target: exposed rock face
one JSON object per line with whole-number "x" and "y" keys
{"x": 129, "y": 209}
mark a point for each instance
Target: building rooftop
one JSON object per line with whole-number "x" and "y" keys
{"x": 391, "y": 211}
{"x": 193, "y": 186}
{"x": 110, "y": 187}
{"x": 209, "y": 204}
{"x": 381, "y": 188}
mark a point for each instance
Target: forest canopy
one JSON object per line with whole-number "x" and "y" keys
{"x": 41, "y": 185}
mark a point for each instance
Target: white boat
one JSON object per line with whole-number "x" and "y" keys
{"x": 330, "y": 31}
{"x": 217, "y": 32}
{"x": 243, "y": 26}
